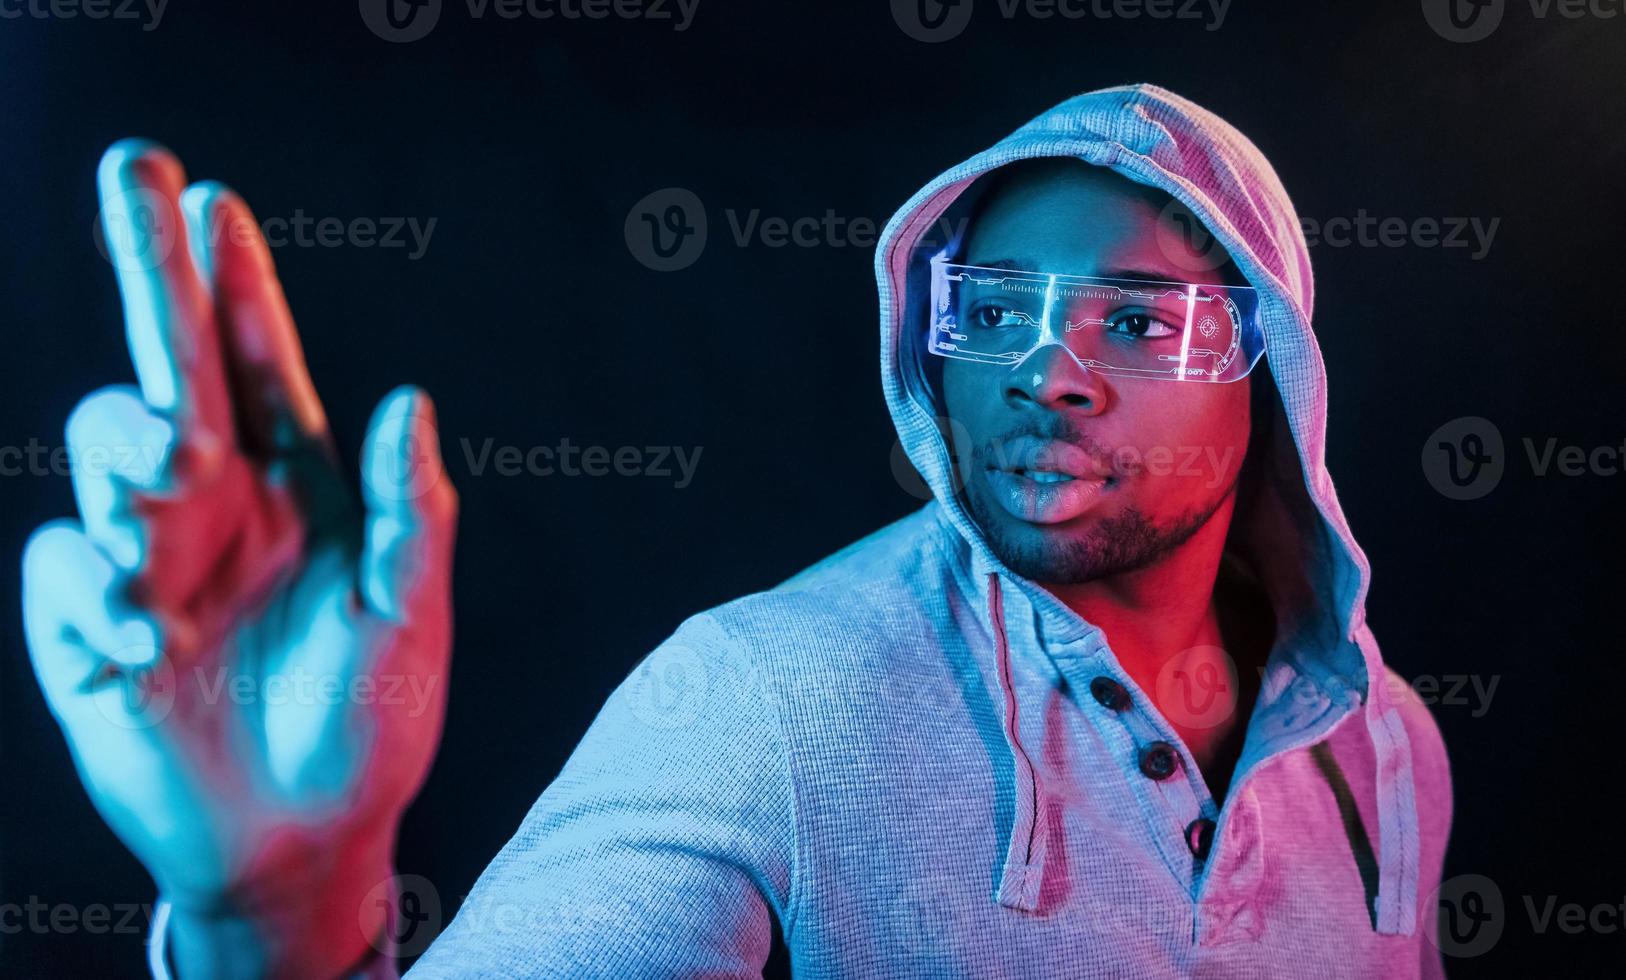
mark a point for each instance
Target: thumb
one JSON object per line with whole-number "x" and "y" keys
{"x": 411, "y": 510}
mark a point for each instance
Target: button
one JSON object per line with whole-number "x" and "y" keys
{"x": 1199, "y": 837}
{"x": 1110, "y": 693}
{"x": 1158, "y": 761}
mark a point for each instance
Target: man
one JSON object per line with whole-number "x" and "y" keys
{"x": 1107, "y": 706}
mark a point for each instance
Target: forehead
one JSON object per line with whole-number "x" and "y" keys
{"x": 1064, "y": 215}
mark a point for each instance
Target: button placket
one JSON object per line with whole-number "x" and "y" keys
{"x": 1225, "y": 906}
{"x": 1168, "y": 797}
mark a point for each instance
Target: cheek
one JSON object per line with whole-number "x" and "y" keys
{"x": 1192, "y": 440}
{"x": 962, "y": 405}
{"x": 967, "y": 396}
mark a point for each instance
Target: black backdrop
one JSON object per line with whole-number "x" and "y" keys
{"x": 529, "y": 318}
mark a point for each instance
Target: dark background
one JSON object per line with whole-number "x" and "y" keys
{"x": 529, "y": 319}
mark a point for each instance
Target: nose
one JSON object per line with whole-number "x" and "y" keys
{"x": 1052, "y": 378}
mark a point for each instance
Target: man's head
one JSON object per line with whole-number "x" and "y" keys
{"x": 1074, "y": 475}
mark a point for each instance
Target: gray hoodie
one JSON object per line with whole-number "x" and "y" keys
{"x": 895, "y": 755}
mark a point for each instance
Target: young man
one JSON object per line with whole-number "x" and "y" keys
{"x": 1107, "y": 706}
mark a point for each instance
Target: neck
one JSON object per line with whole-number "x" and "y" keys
{"x": 1152, "y": 614}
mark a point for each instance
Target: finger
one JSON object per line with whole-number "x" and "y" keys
{"x": 100, "y": 667}
{"x": 264, "y": 361}
{"x": 411, "y": 512}
{"x": 76, "y": 625}
{"x": 118, "y": 447}
{"x": 168, "y": 322}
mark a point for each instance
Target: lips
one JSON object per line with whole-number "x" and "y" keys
{"x": 1044, "y": 481}
{"x": 1029, "y": 454}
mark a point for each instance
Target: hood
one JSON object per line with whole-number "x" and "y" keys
{"x": 1290, "y": 533}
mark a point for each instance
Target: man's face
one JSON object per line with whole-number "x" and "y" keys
{"x": 1073, "y": 475}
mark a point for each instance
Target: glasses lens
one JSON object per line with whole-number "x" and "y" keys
{"x": 1169, "y": 331}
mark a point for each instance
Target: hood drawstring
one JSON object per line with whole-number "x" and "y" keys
{"x": 1395, "y": 908}
{"x": 1024, "y": 854}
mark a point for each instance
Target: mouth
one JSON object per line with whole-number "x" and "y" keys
{"x": 1047, "y": 495}
{"x": 1049, "y": 476}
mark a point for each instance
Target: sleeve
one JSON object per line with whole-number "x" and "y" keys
{"x": 663, "y": 845}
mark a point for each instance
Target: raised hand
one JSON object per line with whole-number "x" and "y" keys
{"x": 248, "y": 662}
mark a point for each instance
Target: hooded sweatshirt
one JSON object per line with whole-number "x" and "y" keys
{"x": 895, "y": 759}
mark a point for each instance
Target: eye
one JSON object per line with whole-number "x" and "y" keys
{"x": 1143, "y": 326}
{"x": 992, "y": 316}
